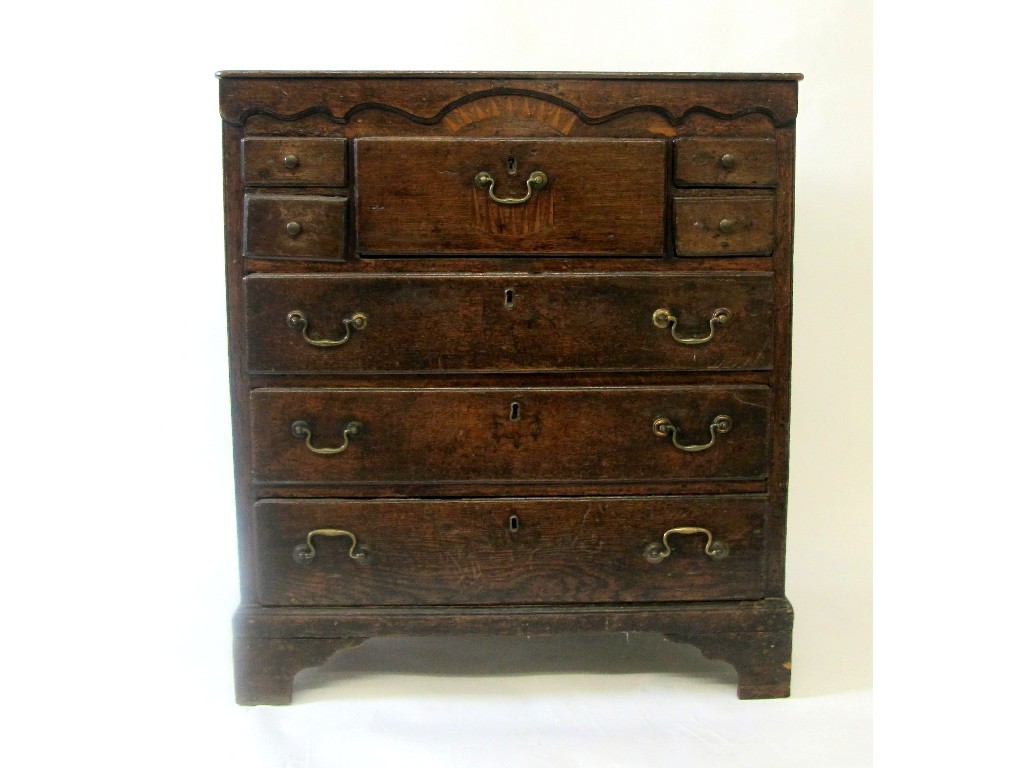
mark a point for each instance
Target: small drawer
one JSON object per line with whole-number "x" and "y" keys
{"x": 506, "y": 197}
{"x": 525, "y": 435}
{"x": 294, "y": 162}
{"x": 725, "y": 226}
{"x": 509, "y": 551}
{"x": 484, "y": 323}
{"x": 714, "y": 162}
{"x": 295, "y": 226}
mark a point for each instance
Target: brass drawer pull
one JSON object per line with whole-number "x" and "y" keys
{"x": 665, "y": 428}
{"x": 716, "y": 550}
{"x": 664, "y": 319}
{"x": 300, "y": 429}
{"x": 537, "y": 180}
{"x": 304, "y": 554}
{"x": 297, "y": 320}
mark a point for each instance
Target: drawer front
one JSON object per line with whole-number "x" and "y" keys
{"x": 724, "y": 226}
{"x": 423, "y": 197}
{"x": 528, "y": 435}
{"x": 471, "y": 552}
{"x": 714, "y": 162}
{"x": 294, "y": 162}
{"x": 295, "y": 226}
{"x": 300, "y": 324}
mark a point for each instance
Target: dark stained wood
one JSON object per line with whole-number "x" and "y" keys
{"x": 781, "y": 379}
{"x": 464, "y": 553}
{"x": 322, "y": 221}
{"x": 240, "y": 428}
{"x": 426, "y": 100}
{"x": 512, "y": 487}
{"x": 700, "y": 230}
{"x": 440, "y": 265}
{"x": 320, "y": 162}
{"x": 510, "y": 323}
{"x": 753, "y": 636}
{"x": 425, "y": 387}
{"x": 685, "y": 619}
{"x": 569, "y": 378}
{"x": 291, "y": 74}
{"x": 515, "y": 114}
{"x": 699, "y": 162}
{"x": 418, "y": 196}
{"x": 469, "y": 435}
{"x": 265, "y": 668}
{"x": 762, "y": 660}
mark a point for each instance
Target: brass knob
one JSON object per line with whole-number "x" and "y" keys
{"x": 728, "y": 161}
{"x": 726, "y": 226}
{"x": 291, "y": 161}
{"x": 293, "y": 228}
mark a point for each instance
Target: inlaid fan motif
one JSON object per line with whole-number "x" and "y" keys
{"x": 509, "y": 115}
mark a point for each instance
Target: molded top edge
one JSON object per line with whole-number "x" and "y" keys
{"x": 270, "y": 74}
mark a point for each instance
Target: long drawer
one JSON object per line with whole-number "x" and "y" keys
{"x": 525, "y": 435}
{"x": 509, "y": 550}
{"x": 456, "y": 323}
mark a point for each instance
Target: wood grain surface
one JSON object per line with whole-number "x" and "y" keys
{"x": 471, "y": 435}
{"x": 700, "y": 225}
{"x": 464, "y": 552}
{"x": 418, "y": 196}
{"x": 463, "y": 323}
{"x": 699, "y": 162}
{"x": 510, "y": 364}
{"x": 317, "y": 162}
{"x": 321, "y": 219}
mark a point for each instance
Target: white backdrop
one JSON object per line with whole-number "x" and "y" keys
{"x": 121, "y": 577}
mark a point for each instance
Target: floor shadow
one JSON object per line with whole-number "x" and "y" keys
{"x": 484, "y": 656}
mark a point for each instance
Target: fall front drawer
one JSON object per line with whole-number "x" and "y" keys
{"x": 509, "y": 550}
{"x": 429, "y": 196}
{"x": 456, "y": 323}
{"x": 521, "y": 435}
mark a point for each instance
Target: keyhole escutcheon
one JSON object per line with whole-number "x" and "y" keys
{"x": 512, "y": 165}
{"x": 513, "y": 523}
{"x": 513, "y": 413}
{"x": 510, "y": 297}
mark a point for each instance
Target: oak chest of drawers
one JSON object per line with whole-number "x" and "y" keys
{"x": 510, "y": 353}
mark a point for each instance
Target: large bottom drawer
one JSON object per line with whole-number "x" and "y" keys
{"x": 514, "y": 551}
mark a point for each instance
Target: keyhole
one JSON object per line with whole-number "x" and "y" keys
{"x": 510, "y": 296}
{"x": 512, "y": 165}
{"x": 513, "y": 414}
{"x": 513, "y": 523}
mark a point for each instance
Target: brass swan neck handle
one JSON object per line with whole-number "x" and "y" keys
{"x": 304, "y": 554}
{"x": 716, "y": 550}
{"x": 302, "y": 429}
{"x": 665, "y": 428}
{"x": 663, "y": 318}
{"x": 537, "y": 180}
{"x": 297, "y": 319}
